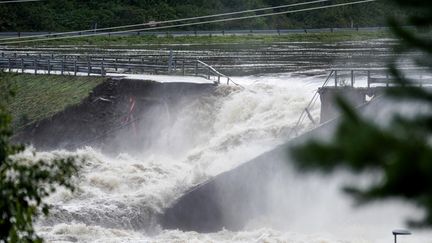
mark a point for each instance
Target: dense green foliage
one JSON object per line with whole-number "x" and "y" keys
{"x": 24, "y": 183}
{"x": 62, "y": 15}
{"x": 401, "y": 151}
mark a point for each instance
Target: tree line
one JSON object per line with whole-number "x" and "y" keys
{"x": 67, "y": 15}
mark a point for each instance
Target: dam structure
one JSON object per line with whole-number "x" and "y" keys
{"x": 233, "y": 199}
{"x": 187, "y": 161}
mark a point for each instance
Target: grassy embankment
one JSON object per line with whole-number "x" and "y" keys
{"x": 41, "y": 96}
{"x": 227, "y": 39}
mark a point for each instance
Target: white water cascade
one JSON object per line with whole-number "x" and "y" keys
{"x": 118, "y": 196}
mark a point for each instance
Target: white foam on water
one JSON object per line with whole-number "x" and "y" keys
{"x": 118, "y": 197}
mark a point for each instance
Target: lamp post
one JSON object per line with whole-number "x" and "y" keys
{"x": 400, "y": 232}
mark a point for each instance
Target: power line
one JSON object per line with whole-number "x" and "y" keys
{"x": 19, "y": 1}
{"x": 170, "y": 21}
{"x": 195, "y": 23}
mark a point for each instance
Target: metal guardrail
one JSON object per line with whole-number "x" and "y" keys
{"x": 379, "y": 77}
{"x": 102, "y": 65}
{"x": 306, "y": 111}
{"x": 212, "y": 70}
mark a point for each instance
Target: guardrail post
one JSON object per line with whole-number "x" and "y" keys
{"x": 209, "y": 72}
{"x": 9, "y": 64}
{"x": 115, "y": 64}
{"x": 35, "y": 66}
{"x": 62, "y": 67}
{"x": 368, "y": 78}
{"x": 218, "y": 79}
{"x": 102, "y": 69}
{"x": 352, "y": 78}
{"x": 183, "y": 67}
{"x": 49, "y": 66}
{"x": 22, "y": 65}
{"x": 196, "y": 68}
{"x": 336, "y": 78}
{"x": 170, "y": 61}
{"x": 388, "y": 80}
{"x": 75, "y": 68}
{"x": 88, "y": 68}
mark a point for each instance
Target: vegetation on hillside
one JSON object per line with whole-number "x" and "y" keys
{"x": 65, "y": 15}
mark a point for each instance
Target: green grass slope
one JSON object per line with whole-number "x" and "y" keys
{"x": 41, "y": 96}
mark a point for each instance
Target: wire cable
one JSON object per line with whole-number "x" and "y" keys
{"x": 193, "y": 23}
{"x": 168, "y": 21}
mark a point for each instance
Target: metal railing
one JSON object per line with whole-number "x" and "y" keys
{"x": 379, "y": 76}
{"x": 102, "y": 65}
{"x": 211, "y": 70}
{"x": 375, "y": 77}
{"x": 306, "y": 111}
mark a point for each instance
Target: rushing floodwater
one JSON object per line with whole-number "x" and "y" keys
{"x": 118, "y": 197}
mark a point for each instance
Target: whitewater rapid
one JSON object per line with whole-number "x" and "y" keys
{"x": 119, "y": 196}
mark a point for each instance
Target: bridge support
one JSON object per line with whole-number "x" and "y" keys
{"x": 329, "y": 110}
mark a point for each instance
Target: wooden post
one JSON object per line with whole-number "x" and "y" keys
{"x": 75, "y": 68}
